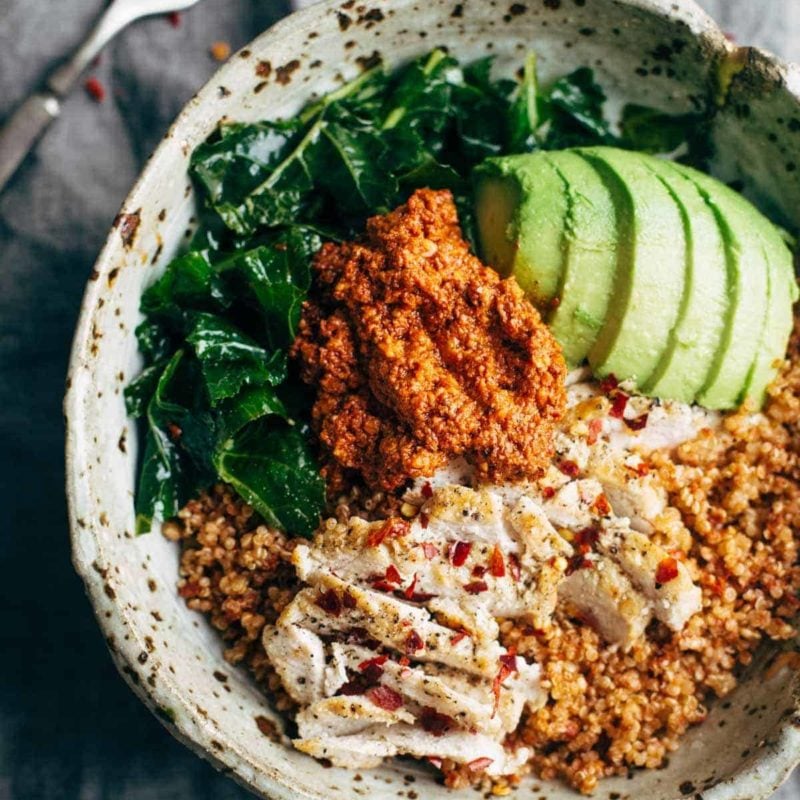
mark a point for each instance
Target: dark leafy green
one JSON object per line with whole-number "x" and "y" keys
{"x": 217, "y": 397}
{"x": 273, "y": 469}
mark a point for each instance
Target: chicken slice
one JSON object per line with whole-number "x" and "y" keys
{"x": 573, "y": 505}
{"x": 345, "y": 716}
{"x": 675, "y": 599}
{"x": 458, "y": 513}
{"x": 370, "y": 748}
{"x": 640, "y": 498}
{"x": 469, "y": 700}
{"x": 400, "y": 626}
{"x": 603, "y": 596}
{"x": 422, "y": 567}
{"x": 298, "y": 656}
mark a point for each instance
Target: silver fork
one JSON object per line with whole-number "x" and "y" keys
{"x": 25, "y": 125}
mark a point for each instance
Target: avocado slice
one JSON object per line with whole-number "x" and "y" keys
{"x": 748, "y": 289}
{"x": 650, "y": 275}
{"x": 695, "y": 339}
{"x": 782, "y": 293}
{"x": 591, "y": 257}
{"x": 521, "y": 208}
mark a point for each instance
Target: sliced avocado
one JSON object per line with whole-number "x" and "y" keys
{"x": 747, "y": 286}
{"x": 695, "y": 339}
{"x": 521, "y": 207}
{"x": 591, "y": 257}
{"x": 782, "y": 293}
{"x": 650, "y": 276}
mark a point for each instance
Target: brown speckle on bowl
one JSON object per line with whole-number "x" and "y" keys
{"x": 370, "y": 61}
{"x": 283, "y": 74}
{"x": 127, "y": 225}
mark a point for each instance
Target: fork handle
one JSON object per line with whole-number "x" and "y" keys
{"x": 21, "y": 131}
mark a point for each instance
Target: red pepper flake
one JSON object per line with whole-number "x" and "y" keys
{"x": 586, "y": 539}
{"x": 434, "y": 722}
{"x": 479, "y": 764}
{"x": 424, "y": 519}
{"x": 378, "y": 661}
{"x": 618, "y": 405}
{"x": 667, "y": 570}
{"x": 380, "y": 585}
{"x": 506, "y": 669}
{"x": 514, "y": 567}
{"x": 426, "y": 491}
{"x": 569, "y": 468}
{"x": 601, "y": 507}
{"x": 174, "y": 431}
{"x": 595, "y": 429}
{"x": 497, "y": 565}
{"x": 348, "y": 601}
{"x": 174, "y": 19}
{"x": 404, "y": 661}
{"x": 414, "y": 642}
{"x": 411, "y": 589}
{"x": 459, "y": 636}
{"x": 392, "y": 575}
{"x": 351, "y": 688}
{"x": 509, "y": 660}
{"x": 548, "y": 492}
{"x": 429, "y": 550}
{"x": 329, "y": 602}
{"x": 478, "y": 571}
{"x": 386, "y": 698}
{"x": 460, "y": 553}
{"x": 577, "y": 562}
{"x": 95, "y": 89}
{"x": 642, "y": 470}
{"x": 189, "y": 589}
{"x": 609, "y": 383}
{"x": 476, "y": 587}
{"x": 392, "y": 528}
{"x": 638, "y": 423}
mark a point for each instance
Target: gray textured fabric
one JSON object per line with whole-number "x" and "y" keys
{"x": 69, "y": 728}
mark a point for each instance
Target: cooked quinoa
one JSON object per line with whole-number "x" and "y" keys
{"x": 738, "y": 492}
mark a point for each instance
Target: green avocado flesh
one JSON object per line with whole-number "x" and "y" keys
{"x": 650, "y": 270}
{"x": 521, "y": 208}
{"x": 694, "y": 342}
{"x": 782, "y": 285}
{"x": 591, "y": 257}
{"x": 747, "y": 289}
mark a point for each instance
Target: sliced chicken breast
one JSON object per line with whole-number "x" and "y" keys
{"x": 368, "y": 749}
{"x": 604, "y": 597}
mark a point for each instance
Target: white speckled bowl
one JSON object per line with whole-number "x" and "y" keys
{"x": 652, "y": 51}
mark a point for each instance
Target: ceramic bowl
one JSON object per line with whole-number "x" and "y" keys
{"x": 657, "y": 52}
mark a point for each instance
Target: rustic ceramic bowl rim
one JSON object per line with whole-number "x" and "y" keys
{"x": 775, "y": 765}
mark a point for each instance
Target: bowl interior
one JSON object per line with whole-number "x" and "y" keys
{"x": 663, "y": 54}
